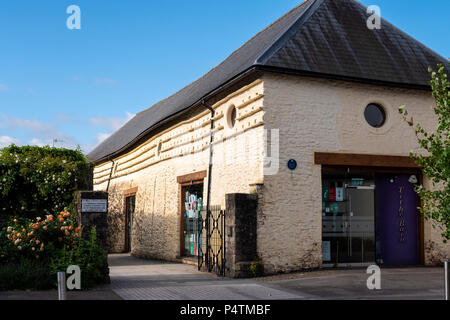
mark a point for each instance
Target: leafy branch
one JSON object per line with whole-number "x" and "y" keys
{"x": 435, "y": 161}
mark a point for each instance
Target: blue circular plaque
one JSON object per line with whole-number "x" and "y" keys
{"x": 292, "y": 164}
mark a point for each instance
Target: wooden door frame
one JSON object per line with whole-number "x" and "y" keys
{"x": 127, "y": 194}
{"x": 186, "y": 181}
{"x": 364, "y": 163}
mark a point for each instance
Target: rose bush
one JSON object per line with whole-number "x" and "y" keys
{"x": 39, "y": 238}
{"x": 45, "y": 245}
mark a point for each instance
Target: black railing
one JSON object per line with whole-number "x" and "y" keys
{"x": 211, "y": 228}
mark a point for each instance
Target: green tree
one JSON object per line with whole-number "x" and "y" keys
{"x": 435, "y": 162}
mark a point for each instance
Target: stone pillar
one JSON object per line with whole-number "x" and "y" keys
{"x": 92, "y": 210}
{"x": 240, "y": 234}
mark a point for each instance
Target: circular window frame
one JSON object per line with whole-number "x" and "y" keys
{"x": 381, "y": 110}
{"x": 388, "y": 112}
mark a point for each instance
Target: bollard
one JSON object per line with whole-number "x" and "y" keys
{"x": 447, "y": 279}
{"x": 61, "y": 286}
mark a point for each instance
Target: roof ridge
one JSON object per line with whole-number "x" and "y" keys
{"x": 232, "y": 54}
{"x": 266, "y": 28}
{"x": 285, "y": 36}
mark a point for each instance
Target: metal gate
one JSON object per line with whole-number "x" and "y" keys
{"x": 212, "y": 247}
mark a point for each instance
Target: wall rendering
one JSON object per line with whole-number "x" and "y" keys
{"x": 312, "y": 115}
{"x": 315, "y": 115}
{"x": 180, "y": 148}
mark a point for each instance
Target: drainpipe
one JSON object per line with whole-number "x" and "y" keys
{"x": 208, "y": 192}
{"x": 110, "y": 175}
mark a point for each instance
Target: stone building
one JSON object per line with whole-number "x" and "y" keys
{"x": 304, "y": 116}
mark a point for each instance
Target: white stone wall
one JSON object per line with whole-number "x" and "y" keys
{"x": 184, "y": 149}
{"x": 312, "y": 115}
{"x": 316, "y": 115}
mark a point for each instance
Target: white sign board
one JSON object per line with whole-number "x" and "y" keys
{"x": 326, "y": 250}
{"x": 94, "y": 205}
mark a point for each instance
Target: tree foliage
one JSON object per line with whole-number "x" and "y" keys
{"x": 35, "y": 181}
{"x": 435, "y": 162}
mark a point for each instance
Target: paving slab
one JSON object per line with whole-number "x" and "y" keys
{"x": 418, "y": 283}
{"x": 139, "y": 279}
{"x": 103, "y": 292}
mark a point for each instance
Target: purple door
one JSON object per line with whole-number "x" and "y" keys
{"x": 397, "y": 226}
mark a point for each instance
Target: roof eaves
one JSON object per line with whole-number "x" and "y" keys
{"x": 311, "y": 74}
{"x": 110, "y": 156}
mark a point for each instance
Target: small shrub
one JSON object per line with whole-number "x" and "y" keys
{"x": 256, "y": 268}
{"x": 88, "y": 255}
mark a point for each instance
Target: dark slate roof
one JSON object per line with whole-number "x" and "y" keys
{"x": 326, "y": 38}
{"x": 335, "y": 40}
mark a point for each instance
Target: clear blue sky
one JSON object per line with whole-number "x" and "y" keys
{"x": 80, "y": 85}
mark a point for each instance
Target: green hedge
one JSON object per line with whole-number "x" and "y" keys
{"x": 40, "y": 180}
{"x": 35, "y": 244}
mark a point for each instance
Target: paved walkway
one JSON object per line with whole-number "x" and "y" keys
{"x": 137, "y": 279}
{"x": 102, "y": 292}
{"x": 419, "y": 283}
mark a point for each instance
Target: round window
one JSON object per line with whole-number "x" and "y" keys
{"x": 375, "y": 115}
{"x": 232, "y": 114}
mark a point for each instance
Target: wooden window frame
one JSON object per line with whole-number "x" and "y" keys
{"x": 130, "y": 192}
{"x": 195, "y": 176}
{"x": 363, "y": 160}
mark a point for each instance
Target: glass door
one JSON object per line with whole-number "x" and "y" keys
{"x": 192, "y": 208}
{"x": 348, "y": 219}
{"x": 361, "y": 224}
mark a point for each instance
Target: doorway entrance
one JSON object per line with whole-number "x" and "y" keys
{"x": 397, "y": 220}
{"x": 369, "y": 217}
{"x": 348, "y": 219}
{"x": 192, "y": 206}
